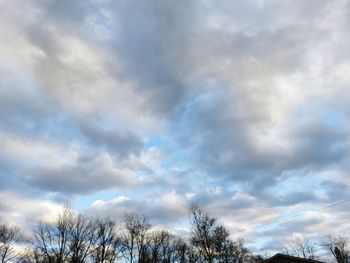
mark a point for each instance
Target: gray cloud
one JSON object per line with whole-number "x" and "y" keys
{"x": 90, "y": 173}
{"x": 152, "y": 40}
{"x": 336, "y": 190}
{"x": 161, "y": 208}
{"x": 75, "y": 179}
{"x": 117, "y": 141}
{"x": 217, "y": 103}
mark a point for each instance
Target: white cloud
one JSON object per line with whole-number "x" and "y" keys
{"x": 228, "y": 104}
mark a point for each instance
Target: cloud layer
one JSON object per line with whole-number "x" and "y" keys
{"x": 240, "y": 106}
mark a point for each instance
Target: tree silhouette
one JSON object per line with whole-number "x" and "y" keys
{"x": 339, "y": 247}
{"x": 212, "y": 240}
{"x": 9, "y": 237}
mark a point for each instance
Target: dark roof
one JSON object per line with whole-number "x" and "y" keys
{"x": 286, "y": 258}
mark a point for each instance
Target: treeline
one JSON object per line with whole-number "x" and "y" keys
{"x": 338, "y": 248}
{"x": 76, "y": 238}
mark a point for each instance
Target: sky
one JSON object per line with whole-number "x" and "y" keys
{"x": 148, "y": 106}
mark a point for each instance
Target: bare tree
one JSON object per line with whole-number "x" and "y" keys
{"x": 51, "y": 240}
{"x": 164, "y": 247}
{"x": 82, "y": 238}
{"x": 212, "y": 240}
{"x": 302, "y": 248}
{"x": 75, "y": 238}
{"x": 339, "y": 247}
{"x": 28, "y": 255}
{"x": 134, "y": 239}
{"x": 240, "y": 252}
{"x": 9, "y": 237}
{"x": 107, "y": 245}
{"x": 202, "y": 233}
{"x": 221, "y": 243}
{"x": 182, "y": 250}
{"x": 158, "y": 243}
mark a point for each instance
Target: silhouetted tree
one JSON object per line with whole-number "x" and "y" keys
{"x": 339, "y": 247}
{"x": 107, "y": 245}
{"x": 9, "y": 238}
{"x": 31, "y": 256}
{"x": 74, "y": 238}
{"x": 182, "y": 250}
{"x": 302, "y": 248}
{"x": 240, "y": 252}
{"x": 212, "y": 240}
{"x": 52, "y": 240}
{"x": 134, "y": 239}
{"x": 202, "y": 233}
{"x": 82, "y": 238}
{"x": 160, "y": 247}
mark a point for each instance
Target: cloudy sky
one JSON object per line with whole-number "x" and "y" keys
{"x": 148, "y": 106}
